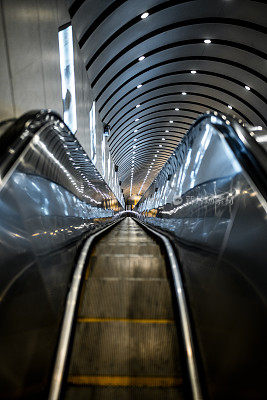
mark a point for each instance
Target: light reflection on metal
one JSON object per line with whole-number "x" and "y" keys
{"x": 190, "y": 169}
{"x": 66, "y": 56}
{"x": 92, "y": 117}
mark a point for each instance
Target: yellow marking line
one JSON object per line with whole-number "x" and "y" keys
{"x": 135, "y": 321}
{"x": 149, "y": 381}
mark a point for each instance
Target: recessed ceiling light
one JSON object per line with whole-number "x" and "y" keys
{"x": 230, "y": 107}
{"x": 135, "y": 140}
{"x": 176, "y": 109}
{"x": 137, "y": 119}
{"x": 155, "y": 155}
{"x": 163, "y": 138}
{"x": 141, "y": 58}
{"x": 139, "y": 86}
{"x": 137, "y": 105}
{"x": 134, "y": 147}
{"x": 193, "y": 72}
{"x": 160, "y": 145}
{"x": 145, "y": 15}
{"x": 247, "y": 87}
{"x": 167, "y": 131}
{"x": 171, "y": 122}
{"x": 157, "y": 151}
{"x": 207, "y": 41}
{"x": 136, "y": 130}
{"x": 184, "y": 93}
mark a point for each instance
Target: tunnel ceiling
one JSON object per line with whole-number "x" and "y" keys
{"x": 199, "y": 55}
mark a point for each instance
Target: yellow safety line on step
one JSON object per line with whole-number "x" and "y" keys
{"x": 135, "y": 321}
{"x": 149, "y": 381}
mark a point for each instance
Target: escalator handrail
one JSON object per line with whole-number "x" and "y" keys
{"x": 17, "y": 136}
{"x": 249, "y": 153}
{"x": 241, "y": 139}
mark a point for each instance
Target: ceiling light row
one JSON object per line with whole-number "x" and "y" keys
{"x": 141, "y": 58}
{"x": 193, "y": 72}
{"x": 149, "y": 169}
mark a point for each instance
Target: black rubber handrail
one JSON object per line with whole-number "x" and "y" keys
{"x": 242, "y": 139}
{"x": 16, "y": 137}
{"x": 249, "y": 153}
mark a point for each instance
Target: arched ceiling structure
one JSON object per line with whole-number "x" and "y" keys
{"x": 199, "y": 55}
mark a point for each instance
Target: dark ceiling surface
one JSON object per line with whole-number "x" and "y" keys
{"x": 230, "y": 71}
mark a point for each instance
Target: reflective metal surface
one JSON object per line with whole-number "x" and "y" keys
{"x": 207, "y": 203}
{"x": 51, "y": 199}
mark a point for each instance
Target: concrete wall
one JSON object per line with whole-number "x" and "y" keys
{"x": 30, "y": 67}
{"x": 30, "y": 75}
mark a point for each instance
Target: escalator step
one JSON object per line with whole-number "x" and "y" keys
{"x": 125, "y": 343}
{"x": 143, "y": 248}
{"x": 127, "y": 298}
{"x": 122, "y": 393}
{"x": 129, "y": 266}
{"x": 119, "y": 348}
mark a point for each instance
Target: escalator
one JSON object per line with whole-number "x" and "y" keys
{"x": 125, "y": 343}
{"x": 93, "y": 304}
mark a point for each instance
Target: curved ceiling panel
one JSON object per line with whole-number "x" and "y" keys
{"x": 199, "y": 55}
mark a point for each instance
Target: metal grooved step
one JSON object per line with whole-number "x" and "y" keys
{"x": 125, "y": 344}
